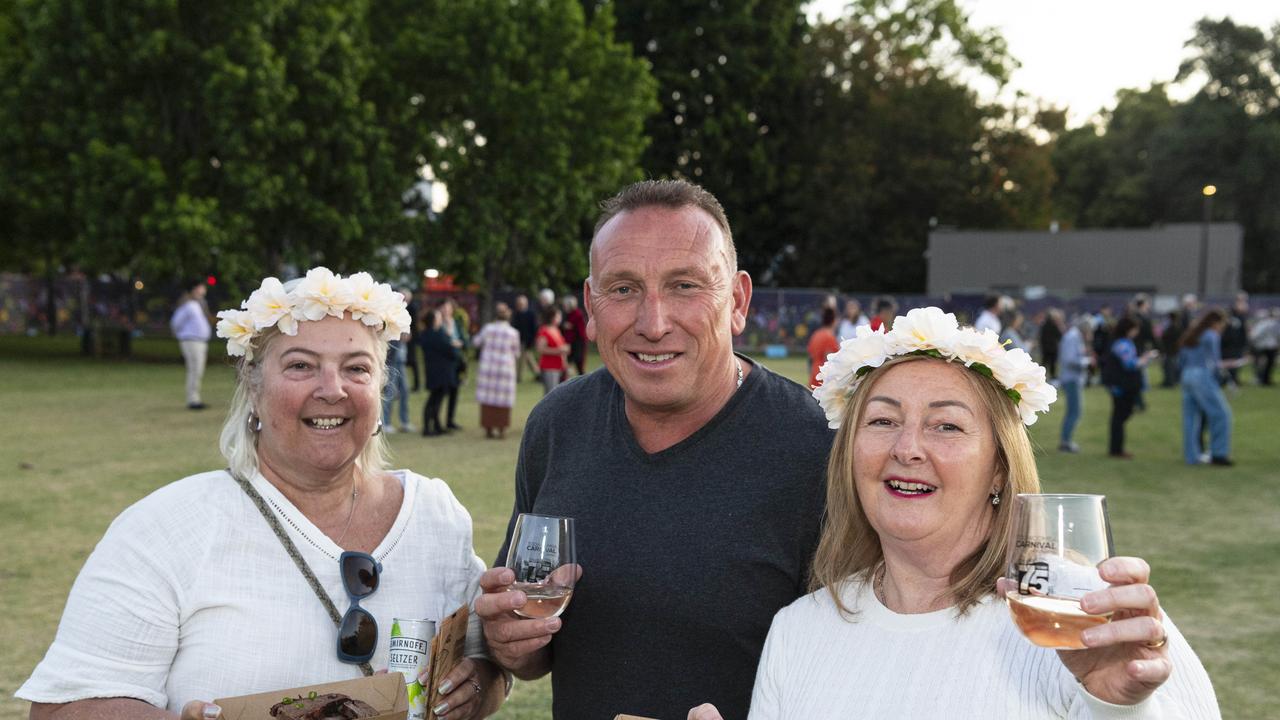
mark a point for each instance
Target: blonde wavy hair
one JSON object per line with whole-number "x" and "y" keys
{"x": 849, "y": 548}
{"x": 239, "y": 444}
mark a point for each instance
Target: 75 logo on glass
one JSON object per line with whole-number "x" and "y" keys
{"x": 1033, "y": 577}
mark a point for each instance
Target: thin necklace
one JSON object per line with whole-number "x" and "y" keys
{"x": 350, "y": 513}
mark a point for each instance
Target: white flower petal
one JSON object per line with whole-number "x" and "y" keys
{"x": 237, "y": 327}
{"x": 319, "y": 294}
{"x": 931, "y": 329}
{"x": 322, "y": 293}
{"x": 925, "y": 328}
{"x": 269, "y": 303}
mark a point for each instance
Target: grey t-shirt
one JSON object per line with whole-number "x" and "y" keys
{"x": 687, "y": 553}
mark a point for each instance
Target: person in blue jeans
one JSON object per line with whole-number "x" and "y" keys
{"x": 1074, "y": 358}
{"x": 1201, "y": 358}
{"x": 397, "y": 387}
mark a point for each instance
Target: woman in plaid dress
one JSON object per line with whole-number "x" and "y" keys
{"x": 499, "y": 345}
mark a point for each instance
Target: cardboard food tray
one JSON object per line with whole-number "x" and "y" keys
{"x": 386, "y": 693}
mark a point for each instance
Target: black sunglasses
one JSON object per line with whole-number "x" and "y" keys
{"x": 358, "y": 633}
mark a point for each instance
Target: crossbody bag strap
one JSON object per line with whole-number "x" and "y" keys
{"x": 296, "y": 556}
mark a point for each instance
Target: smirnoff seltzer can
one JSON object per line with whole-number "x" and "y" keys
{"x": 410, "y": 654}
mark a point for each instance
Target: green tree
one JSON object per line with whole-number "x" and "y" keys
{"x": 892, "y": 138}
{"x": 1228, "y": 134}
{"x": 36, "y": 185}
{"x": 1240, "y": 64}
{"x": 302, "y": 161}
{"x": 1107, "y": 171}
{"x": 727, "y": 73}
{"x": 529, "y": 112}
{"x": 1147, "y": 159}
{"x": 164, "y": 137}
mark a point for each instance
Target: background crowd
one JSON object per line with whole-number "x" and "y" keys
{"x": 1123, "y": 346}
{"x": 1202, "y": 349}
{"x": 544, "y": 341}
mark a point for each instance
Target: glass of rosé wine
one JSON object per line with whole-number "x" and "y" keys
{"x": 541, "y": 554}
{"x": 1055, "y": 545}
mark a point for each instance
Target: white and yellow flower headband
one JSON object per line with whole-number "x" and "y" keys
{"x": 930, "y": 332}
{"x": 313, "y": 297}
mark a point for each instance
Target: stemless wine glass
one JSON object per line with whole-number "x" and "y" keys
{"x": 542, "y": 555}
{"x": 1055, "y": 545}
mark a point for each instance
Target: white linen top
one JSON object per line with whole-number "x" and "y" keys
{"x": 191, "y": 596}
{"x": 817, "y": 665}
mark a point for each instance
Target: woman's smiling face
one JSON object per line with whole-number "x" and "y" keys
{"x": 925, "y": 461}
{"x": 319, "y": 400}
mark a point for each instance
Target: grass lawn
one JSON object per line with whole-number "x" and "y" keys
{"x": 85, "y": 439}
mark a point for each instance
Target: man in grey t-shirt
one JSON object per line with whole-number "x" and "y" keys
{"x": 695, "y": 477}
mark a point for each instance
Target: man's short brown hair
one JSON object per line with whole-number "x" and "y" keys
{"x": 672, "y": 194}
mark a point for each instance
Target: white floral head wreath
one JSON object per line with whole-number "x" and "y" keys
{"x": 933, "y": 333}
{"x": 313, "y": 297}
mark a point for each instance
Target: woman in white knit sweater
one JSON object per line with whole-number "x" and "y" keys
{"x": 905, "y": 620}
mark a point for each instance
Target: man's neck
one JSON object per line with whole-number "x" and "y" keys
{"x": 656, "y": 429}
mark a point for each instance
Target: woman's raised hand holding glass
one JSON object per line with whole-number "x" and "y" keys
{"x": 1056, "y": 544}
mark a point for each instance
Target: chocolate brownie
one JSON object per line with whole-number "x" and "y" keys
{"x": 330, "y": 706}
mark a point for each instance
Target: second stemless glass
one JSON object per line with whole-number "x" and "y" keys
{"x": 1055, "y": 545}
{"x": 543, "y": 557}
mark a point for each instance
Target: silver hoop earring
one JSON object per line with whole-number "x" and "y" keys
{"x": 995, "y": 498}
{"x": 255, "y": 423}
{"x": 378, "y": 431}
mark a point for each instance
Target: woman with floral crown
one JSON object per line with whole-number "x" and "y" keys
{"x": 904, "y": 619}
{"x": 232, "y": 582}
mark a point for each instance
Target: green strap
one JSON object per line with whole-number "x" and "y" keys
{"x": 292, "y": 550}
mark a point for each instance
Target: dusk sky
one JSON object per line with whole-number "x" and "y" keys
{"x": 1079, "y": 53}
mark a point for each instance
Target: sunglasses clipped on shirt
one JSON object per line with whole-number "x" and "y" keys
{"x": 358, "y": 632}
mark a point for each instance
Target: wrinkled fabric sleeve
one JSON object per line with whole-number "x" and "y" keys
{"x": 119, "y": 630}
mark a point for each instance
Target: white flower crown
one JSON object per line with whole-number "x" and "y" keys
{"x": 928, "y": 331}
{"x": 313, "y": 297}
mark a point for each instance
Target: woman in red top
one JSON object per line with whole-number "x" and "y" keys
{"x": 552, "y": 349}
{"x": 822, "y": 342}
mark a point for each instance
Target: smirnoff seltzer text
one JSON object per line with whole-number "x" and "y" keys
{"x": 410, "y": 654}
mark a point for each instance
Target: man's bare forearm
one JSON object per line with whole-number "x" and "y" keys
{"x": 100, "y": 709}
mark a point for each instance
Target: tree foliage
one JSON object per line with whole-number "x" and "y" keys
{"x": 1240, "y": 64}
{"x": 727, "y": 73}
{"x": 1147, "y": 160}
{"x": 894, "y": 138}
{"x": 167, "y": 137}
{"x": 530, "y": 112}
{"x": 170, "y": 138}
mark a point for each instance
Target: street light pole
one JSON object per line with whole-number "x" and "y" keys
{"x": 1208, "y": 191}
